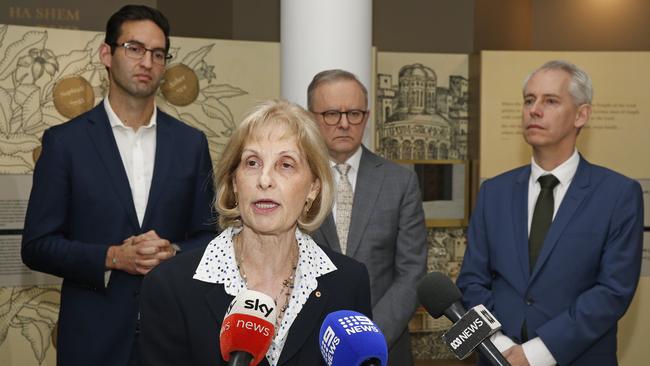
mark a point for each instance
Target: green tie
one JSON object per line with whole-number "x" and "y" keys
{"x": 542, "y": 217}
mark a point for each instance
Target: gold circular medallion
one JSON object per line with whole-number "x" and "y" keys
{"x": 180, "y": 86}
{"x": 73, "y": 96}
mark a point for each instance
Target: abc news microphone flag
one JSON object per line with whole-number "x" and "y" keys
{"x": 248, "y": 326}
{"x": 469, "y": 331}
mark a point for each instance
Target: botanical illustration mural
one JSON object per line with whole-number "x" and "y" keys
{"x": 48, "y": 76}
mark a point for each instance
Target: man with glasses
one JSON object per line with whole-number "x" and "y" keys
{"x": 117, "y": 190}
{"x": 377, "y": 217}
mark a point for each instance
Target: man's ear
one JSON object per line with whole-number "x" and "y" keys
{"x": 105, "y": 55}
{"x": 583, "y": 115}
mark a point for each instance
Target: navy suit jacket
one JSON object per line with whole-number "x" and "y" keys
{"x": 81, "y": 203}
{"x": 585, "y": 275}
{"x": 181, "y": 316}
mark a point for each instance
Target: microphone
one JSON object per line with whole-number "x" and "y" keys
{"x": 471, "y": 329}
{"x": 247, "y": 328}
{"x": 349, "y": 338}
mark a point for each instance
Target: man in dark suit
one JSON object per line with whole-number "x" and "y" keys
{"x": 117, "y": 191}
{"x": 554, "y": 247}
{"x": 377, "y": 217}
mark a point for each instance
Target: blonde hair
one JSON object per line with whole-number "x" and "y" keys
{"x": 298, "y": 123}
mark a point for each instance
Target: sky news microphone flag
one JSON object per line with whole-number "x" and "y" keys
{"x": 248, "y": 327}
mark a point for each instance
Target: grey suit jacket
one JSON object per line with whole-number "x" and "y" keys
{"x": 387, "y": 234}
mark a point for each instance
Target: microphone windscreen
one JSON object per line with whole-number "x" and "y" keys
{"x": 437, "y": 293}
{"x": 348, "y": 338}
{"x": 248, "y": 325}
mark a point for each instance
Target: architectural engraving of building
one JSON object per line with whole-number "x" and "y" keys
{"x": 419, "y": 120}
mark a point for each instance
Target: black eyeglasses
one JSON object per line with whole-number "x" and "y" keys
{"x": 137, "y": 50}
{"x": 332, "y": 118}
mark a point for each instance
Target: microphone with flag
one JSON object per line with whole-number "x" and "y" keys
{"x": 471, "y": 330}
{"x": 349, "y": 338}
{"x": 247, "y": 329}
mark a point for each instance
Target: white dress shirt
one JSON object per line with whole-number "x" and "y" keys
{"x": 354, "y": 161}
{"x": 535, "y": 350}
{"x": 138, "y": 153}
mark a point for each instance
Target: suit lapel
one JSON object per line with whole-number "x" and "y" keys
{"x": 520, "y": 219}
{"x": 366, "y": 193}
{"x": 218, "y": 302}
{"x": 164, "y": 143}
{"x": 99, "y": 130}
{"x": 328, "y": 232}
{"x": 572, "y": 199}
{"x": 304, "y": 324}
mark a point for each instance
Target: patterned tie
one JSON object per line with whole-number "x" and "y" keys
{"x": 343, "y": 205}
{"x": 542, "y": 217}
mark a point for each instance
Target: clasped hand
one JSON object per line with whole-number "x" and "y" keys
{"x": 140, "y": 254}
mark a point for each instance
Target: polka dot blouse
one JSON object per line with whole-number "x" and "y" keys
{"x": 218, "y": 265}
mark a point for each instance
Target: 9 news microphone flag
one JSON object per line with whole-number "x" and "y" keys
{"x": 247, "y": 329}
{"x": 349, "y": 338}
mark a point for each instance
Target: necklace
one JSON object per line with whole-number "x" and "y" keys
{"x": 287, "y": 283}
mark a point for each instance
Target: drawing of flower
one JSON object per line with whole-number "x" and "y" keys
{"x": 37, "y": 62}
{"x": 206, "y": 71}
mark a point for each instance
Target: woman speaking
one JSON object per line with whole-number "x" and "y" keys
{"x": 274, "y": 186}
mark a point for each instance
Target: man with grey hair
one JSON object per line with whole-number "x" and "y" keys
{"x": 554, "y": 247}
{"x": 377, "y": 217}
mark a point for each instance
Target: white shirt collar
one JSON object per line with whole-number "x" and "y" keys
{"x": 354, "y": 160}
{"x": 563, "y": 172}
{"x": 218, "y": 265}
{"x": 115, "y": 121}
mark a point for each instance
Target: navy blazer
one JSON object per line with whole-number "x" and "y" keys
{"x": 181, "y": 317}
{"x": 81, "y": 203}
{"x": 587, "y": 270}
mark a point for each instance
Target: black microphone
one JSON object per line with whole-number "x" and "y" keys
{"x": 440, "y": 297}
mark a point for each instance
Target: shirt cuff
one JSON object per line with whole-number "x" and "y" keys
{"x": 537, "y": 353}
{"x": 501, "y": 341}
{"x": 107, "y": 277}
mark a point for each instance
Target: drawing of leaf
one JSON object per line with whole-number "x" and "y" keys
{"x": 4, "y": 328}
{"x": 167, "y": 107}
{"x": 194, "y": 58}
{"x": 51, "y": 117}
{"x": 16, "y": 123}
{"x": 93, "y": 44}
{"x": 5, "y": 111}
{"x": 23, "y": 91}
{"x": 5, "y": 308}
{"x": 32, "y": 114}
{"x": 70, "y": 64}
{"x": 194, "y": 122}
{"x": 5, "y": 297}
{"x": 214, "y": 108}
{"x": 38, "y": 333}
{"x": 16, "y": 143}
{"x": 3, "y": 31}
{"x": 30, "y": 39}
{"x": 48, "y": 311}
{"x": 222, "y": 91}
{"x": 10, "y": 164}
